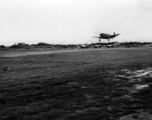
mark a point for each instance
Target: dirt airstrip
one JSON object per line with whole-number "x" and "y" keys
{"x": 17, "y": 54}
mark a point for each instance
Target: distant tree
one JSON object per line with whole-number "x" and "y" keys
{"x": 2, "y": 46}
{"x": 20, "y": 45}
{"x": 43, "y": 44}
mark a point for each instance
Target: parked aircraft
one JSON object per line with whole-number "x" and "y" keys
{"x": 106, "y": 36}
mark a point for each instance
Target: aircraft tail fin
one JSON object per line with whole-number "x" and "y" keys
{"x": 114, "y": 33}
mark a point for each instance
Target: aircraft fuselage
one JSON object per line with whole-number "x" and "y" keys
{"x": 106, "y": 36}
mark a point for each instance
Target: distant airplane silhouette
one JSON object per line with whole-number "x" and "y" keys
{"x": 106, "y": 36}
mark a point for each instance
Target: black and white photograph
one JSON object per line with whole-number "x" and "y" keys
{"x": 75, "y": 59}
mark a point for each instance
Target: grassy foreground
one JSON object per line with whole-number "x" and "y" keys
{"x": 88, "y": 85}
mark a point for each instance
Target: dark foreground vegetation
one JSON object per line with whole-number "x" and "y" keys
{"x": 44, "y": 46}
{"x": 89, "y": 85}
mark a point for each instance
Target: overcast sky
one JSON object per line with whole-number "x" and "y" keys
{"x": 74, "y": 21}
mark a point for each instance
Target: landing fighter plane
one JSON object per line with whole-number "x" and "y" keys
{"x": 106, "y": 36}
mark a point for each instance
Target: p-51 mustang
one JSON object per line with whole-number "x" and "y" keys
{"x": 106, "y": 36}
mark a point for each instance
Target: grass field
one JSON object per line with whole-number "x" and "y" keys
{"x": 103, "y": 84}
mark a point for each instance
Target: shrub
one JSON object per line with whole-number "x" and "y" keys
{"x": 2, "y": 46}
{"x": 20, "y": 45}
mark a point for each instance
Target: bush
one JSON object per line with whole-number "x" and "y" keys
{"x": 43, "y": 44}
{"x": 2, "y": 46}
{"x": 20, "y": 45}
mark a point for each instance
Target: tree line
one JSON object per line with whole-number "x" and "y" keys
{"x": 41, "y": 44}
{"x": 58, "y": 46}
